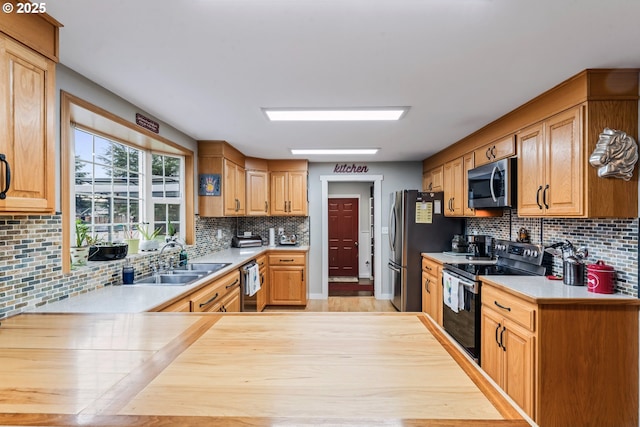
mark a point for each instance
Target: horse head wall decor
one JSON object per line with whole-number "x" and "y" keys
{"x": 615, "y": 155}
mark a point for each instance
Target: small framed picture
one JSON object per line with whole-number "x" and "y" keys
{"x": 209, "y": 184}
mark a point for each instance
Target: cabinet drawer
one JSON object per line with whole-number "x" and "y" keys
{"x": 509, "y": 306}
{"x": 208, "y": 298}
{"x": 287, "y": 259}
{"x": 429, "y": 266}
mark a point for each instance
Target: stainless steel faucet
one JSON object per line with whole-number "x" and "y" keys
{"x": 171, "y": 243}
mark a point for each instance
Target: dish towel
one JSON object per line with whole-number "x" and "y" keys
{"x": 252, "y": 284}
{"x": 451, "y": 287}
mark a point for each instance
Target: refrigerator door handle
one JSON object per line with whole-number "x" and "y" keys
{"x": 392, "y": 225}
{"x": 394, "y": 268}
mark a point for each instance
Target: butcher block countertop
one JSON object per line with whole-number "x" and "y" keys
{"x": 250, "y": 369}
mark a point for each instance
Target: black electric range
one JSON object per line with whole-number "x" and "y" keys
{"x": 462, "y": 320}
{"x": 513, "y": 259}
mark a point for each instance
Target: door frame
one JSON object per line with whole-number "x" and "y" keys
{"x": 348, "y": 196}
{"x": 377, "y": 227}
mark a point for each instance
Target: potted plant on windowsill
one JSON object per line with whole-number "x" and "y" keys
{"x": 80, "y": 252}
{"x": 132, "y": 239}
{"x": 148, "y": 242}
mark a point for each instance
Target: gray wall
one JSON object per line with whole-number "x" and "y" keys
{"x": 77, "y": 85}
{"x": 396, "y": 176}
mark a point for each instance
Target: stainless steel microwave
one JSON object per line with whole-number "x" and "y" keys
{"x": 492, "y": 185}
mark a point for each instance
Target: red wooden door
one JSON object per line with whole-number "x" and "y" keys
{"x": 343, "y": 237}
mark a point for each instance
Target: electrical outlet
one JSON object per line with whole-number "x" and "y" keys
{"x": 219, "y": 234}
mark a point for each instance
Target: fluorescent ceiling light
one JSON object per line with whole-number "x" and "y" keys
{"x": 311, "y": 151}
{"x": 344, "y": 114}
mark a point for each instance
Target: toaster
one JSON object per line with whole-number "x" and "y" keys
{"x": 289, "y": 239}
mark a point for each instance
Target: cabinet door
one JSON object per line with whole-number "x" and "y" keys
{"x": 468, "y": 163}
{"x": 436, "y": 296}
{"x": 278, "y": 193}
{"x": 229, "y": 188}
{"x": 257, "y": 193}
{"x": 287, "y": 285}
{"x": 27, "y": 92}
{"x": 297, "y": 186}
{"x": 518, "y": 366}
{"x": 427, "y": 181}
{"x": 240, "y": 190}
{"x": 564, "y": 165}
{"x": 531, "y": 170}
{"x": 436, "y": 178}
{"x": 452, "y": 186}
{"x": 231, "y": 302}
{"x": 491, "y": 353}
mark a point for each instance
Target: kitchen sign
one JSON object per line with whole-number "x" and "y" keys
{"x": 352, "y": 168}
{"x": 147, "y": 123}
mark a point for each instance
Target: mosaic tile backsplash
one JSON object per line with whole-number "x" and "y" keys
{"x": 31, "y": 250}
{"x": 614, "y": 241}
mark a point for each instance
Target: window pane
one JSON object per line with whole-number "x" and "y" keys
{"x": 83, "y": 207}
{"x": 160, "y": 212}
{"x": 120, "y": 210}
{"x": 102, "y": 151}
{"x": 134, "y": 212}
{"x": 83, "y": 145}
{"x": 84, "y": 177}
{"x": 174, "y": 214}
{"x": 171, "y": 167}
{"x": 102, "y": 210}
{"x": 134, "y": 159}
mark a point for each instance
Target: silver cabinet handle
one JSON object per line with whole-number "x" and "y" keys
{"x": 493, "y": 192}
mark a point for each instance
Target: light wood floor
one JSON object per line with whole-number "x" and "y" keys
{"x": 352, "y": 304}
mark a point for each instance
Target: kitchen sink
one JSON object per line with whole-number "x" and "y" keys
{"x": 209, "y": 267}
{"x": 168, "y": 279}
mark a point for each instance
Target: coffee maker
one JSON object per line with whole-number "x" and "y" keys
{"x": 480, "y": 246}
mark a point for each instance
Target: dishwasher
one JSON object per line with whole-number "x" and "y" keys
{"x": 248, "y": 303}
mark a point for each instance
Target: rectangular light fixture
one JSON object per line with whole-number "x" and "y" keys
{"x": 321, "y": 151}
{"x": 340, "y": 114}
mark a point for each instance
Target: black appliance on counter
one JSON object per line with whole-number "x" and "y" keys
{"x": 513, "y": 259}
{"x": 416, "y": 224}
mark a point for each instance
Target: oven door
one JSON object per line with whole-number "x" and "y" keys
{"x": 464, "y": 326}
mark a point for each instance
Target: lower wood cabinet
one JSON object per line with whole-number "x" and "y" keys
{"x": 211, "y": 297}
{"x": 507, "y": 346}
{"x": 565, "y": 362}
{"x": 182, "y": 306}
{"x": 288, "y": 278}
{"x": 432, "y": 289}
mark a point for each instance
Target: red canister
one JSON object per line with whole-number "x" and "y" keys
{"x": 600, "y": 278}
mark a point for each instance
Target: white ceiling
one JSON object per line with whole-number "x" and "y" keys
{"x": 207, "y": 66}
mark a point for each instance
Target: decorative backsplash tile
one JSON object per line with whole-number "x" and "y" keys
{"x": 31, "y": 250}
{"x": 614, "y": 241}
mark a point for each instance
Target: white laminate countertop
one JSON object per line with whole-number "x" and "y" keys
{"x": 455, "y": 259}
{"x": 540, "y": 290}
{"x": 141, "y": 298}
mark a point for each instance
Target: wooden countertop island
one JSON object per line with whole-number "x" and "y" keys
{"x": 250, "y": 369}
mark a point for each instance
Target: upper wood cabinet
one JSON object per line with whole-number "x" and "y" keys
{"x": 432, "y": 179}
{"x": 500, "y": 149}
{"x": 288, "y": 191}
{"x": 554, "y": 174}
{"x": 233, "y": 188}
{"x": 453, "y": 186}
{"x": 257, "y": 187}
{"x": 556, "y": 133}
{"x": 221, "y": 160}
{"x": 27, "y": 132}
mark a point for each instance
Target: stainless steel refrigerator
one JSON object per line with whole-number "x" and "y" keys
{"x": 416, "y": 224}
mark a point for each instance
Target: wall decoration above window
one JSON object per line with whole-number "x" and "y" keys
{"x": 615, "y": 155}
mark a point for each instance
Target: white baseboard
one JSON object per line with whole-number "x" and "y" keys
{"x": 316, "y": 296}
